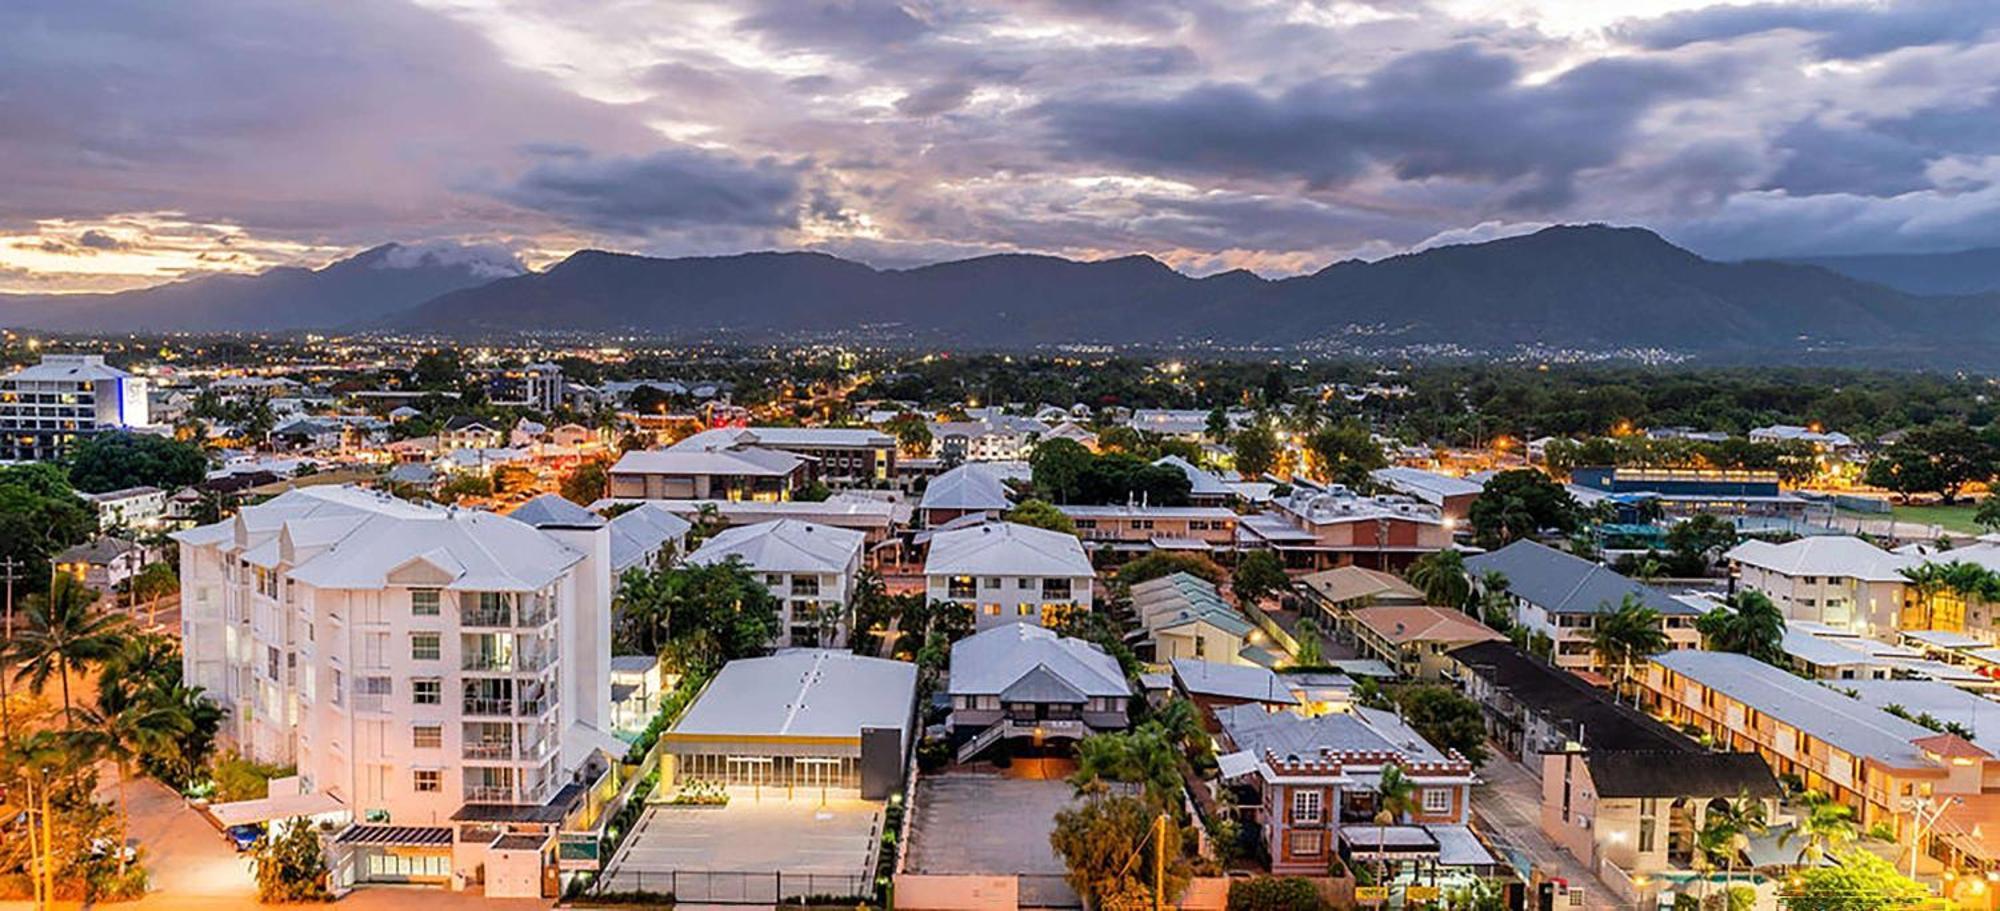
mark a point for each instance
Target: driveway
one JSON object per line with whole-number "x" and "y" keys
{"x": 969, "y": 823}
{"x": 1508, "y": 807}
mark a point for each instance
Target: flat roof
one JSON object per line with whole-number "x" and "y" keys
{"x": 802, "y": 693}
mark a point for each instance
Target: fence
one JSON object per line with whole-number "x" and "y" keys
{"x": 1046, "y": 890}
{"x": 726, "y": 887}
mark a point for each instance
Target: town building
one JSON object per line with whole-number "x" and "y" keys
{"x": 1823, "y": 440}
{"x": 543, "y": 385}
{"x": 1452, "y": 496}
{"x": 992, "y": 438}
{"x": 971, "y": 489}
{"x": 1732, "y": 493}
{"x": 440, "y": 674}
{"x": 1183, "y": 616}
{"x": 1560, "y": 595}
{"x": 1205, "y": 488}
{"x": 1832, "y": 580}
{"x": 46, "y": 408}
{"x": 1141, "y": 529}
{"x": 744, "y": 473}
{"x": 1534, "y": 709}
{"x": 1009, "y": 573}
{"x": 1344, "y": 589}
{"x": 878, "y": 519}
{"x": 1319, "y": 528}
{"x": 803, "y": 722}
{"x": 1018, "y": 680}
{"x": 137, "y": 508}
{"x": 1213, "y": 686}
{"x": 1415, "y": 639}
{"x": 1642, "y": 811}
{"x": 809, "y": 568}
{"x": 466, "y": 431}
{"x": 842, "y": 455}
{"x": 103, "y": 563}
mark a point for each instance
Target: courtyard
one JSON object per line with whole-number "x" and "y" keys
{"x": 751, "y": 849}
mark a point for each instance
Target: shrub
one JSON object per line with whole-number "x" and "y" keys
{"x": 1275, "y": 893}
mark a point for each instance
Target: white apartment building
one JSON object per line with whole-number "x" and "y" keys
{"x": 809, "y": 568}
{"x": 1837, "y": 581}
{"x": 1560, "y": 595}
{"x": 418, "y": 665}
{"x": 1008, "y": 573}
{"x": 132, "y": 507}
{"x": 47, "y": 407}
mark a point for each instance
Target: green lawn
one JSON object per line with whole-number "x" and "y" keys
{"x": 1956, "y": 517}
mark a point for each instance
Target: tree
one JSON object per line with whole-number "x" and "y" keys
{"x": 1161, "y": 563}
{"x": 1395, "y": 797}
{"x": 40, "y": 516}
{"x": 62, "y": 637}
{"x": 715, "y": 613}
{"x": 1859, "y": 882}
{"x": 1345, "y": 453}
{"x": 1698, "y": 540}
{"x": 437, "y": 369}
{"x": 116, "y": 460}
{"x": 1940, "y": 459}
{"x": 465, "y": 485}
{"x": 912, "y": 433}
{"x": 1446, "y": 719}
{"x": 512, "y": 479}
{"x": 1275, "y": 893}
{"x": 1624, "y": 634}
{"x": 1041, "y": 514}
{"x": 1256, "y": 449}
{"x": 1145, "y": 756}
{"x": 1259, "y": 575}
{"x": 290, "y": 863}
{"x": 1441, "y": 576}
{"x": 1826, "y": 828}
{"x": 1108, "y": 843}
{"x": 1310, "y": 650}
{"x": 1217, "y": 425}
{"x": 1496, "y": 606}
{"x": 815, "y": 491}
{"x": 1988, "y": 514}
{"x": 192, "y": 748}
{"x": 1517, "y": 504}
{"x": 154, "y": 582}
{"x": 1057, "y": 466}
{"x": 588, "y": 483}
{"x": 1749, "y": 625}
{"x": 148, "y": 727}
{"x": 1727, "y": 829}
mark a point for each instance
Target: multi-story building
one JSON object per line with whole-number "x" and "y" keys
{"x": 843, "y": 455}
{"x": 468, "y": 432}
{"x": 132, "y": 507}
{"x": 1008, "y": 573}
{"x": 994, "y": 438}
{"x": 809, "y": 568}
{"x": 1881, "y": 765}
{"x": 1147, "y": 528}
{"x": 1833, "y": 580}
{"x": 49, "y": 406}
{"x": 1323, "y": 527}
{"x": 975, "y": 488}
{"x": 543, "y": 384}
{"x": 1696, "y": 491}
{"x": 1560, "y": 596}
{"x": 419, "y": 666}
{"x": 1452, "y": 496}
{"x": 1019, "y": 680}
{"x": 743, "y": 473}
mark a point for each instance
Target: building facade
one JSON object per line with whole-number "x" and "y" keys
{"x": 1009, "y": 573}
{"x": 47, "y": 407}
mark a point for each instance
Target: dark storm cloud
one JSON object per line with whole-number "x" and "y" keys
{"x": 667, "y": 191}
{"x": 936, "y": 98}
{"x": 1458, "y": 112}
{"x": 834, "y": 24}
{"x": 1823, "y": 159}
{"x": 1840, "y": 30}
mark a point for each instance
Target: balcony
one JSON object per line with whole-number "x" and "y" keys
{"x": 499, "y": 750}
{"x": 486, "y": 706}
{"x": 488, "y": 793}
{"x": 496, "y": 616}
{"x": 517, "y": 662}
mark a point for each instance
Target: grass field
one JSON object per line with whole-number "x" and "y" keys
{"x": 1956, "y": 517}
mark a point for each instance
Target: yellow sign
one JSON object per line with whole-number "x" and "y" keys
{"x": 1420, "y": 893}
{"x": 1371, "y": 893}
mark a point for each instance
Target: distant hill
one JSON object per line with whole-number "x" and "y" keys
{"x": 1583, "y": 286}
{"x": 360, "y": 289}
{"x": 1963, "y": 272}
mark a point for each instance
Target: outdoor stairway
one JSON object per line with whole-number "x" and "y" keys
{"x": 986, "y": 738}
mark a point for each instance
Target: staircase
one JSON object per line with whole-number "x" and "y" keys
{"x": 986, "y": 738}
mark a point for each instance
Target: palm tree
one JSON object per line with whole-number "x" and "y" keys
{"x": 1725, "y": 834}
{"x": 191, "y": 748}
{"x": 1307, "y": 635}
{"x": 1495, "y": 606}
{"x": 1626, "y": 633}
{"x": 1395, "y": 797}
{"x": 40, "y": 758}
{"x": 63, "y": 635}
{"x": 1145, "y": 756}
{"x": 1441, "y": 577}
{"x": 1926, "y": 580}
{"x": 144, "y": 663}
{"x": 1825, "y": 828}
{"x": 147, "y": 728}
{"x": 1753, "y": 626}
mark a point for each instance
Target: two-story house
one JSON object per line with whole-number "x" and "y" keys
{"x": 1560, "y": 595}
{"x": 1009, "y": 573}
{"x": 1018, "y": 680}
{"x": 809, "y": 568}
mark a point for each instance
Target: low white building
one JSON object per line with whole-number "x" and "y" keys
{"x": 1838, "y": 581}
{"x": 809, "y": 568}
{"x": 1009, "y": 573}
{"x": 132, "y": 507}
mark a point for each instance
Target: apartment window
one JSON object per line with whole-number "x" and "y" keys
{"x": 1305, "y": 807}
{"x": 773, "y": 580}
{"x": 427, "y": 736}
{"x": 427, "y": 781}
{"x": 424, "y": 602}
{"x": 339, "y": 688}
{"x": 271, "y": 662}
{"x": 1308, "y": 843}
{"x": 374, "y": 686}
{"x": 1023, "y": 610}
{"x": 427, "y": 691}
{"x": 424, "y": 646}
{"x": 992, "y": 610}
{"x": 961, "y": 587}
{"x": 1437, "y": 800}
{"x": 805, "y": 586}
{"x": 993, "y": 583}
{"x": 1055, "y": 590}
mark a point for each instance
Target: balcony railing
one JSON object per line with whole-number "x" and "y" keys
{"x": 500, "y": 750}
{"x": 481, "y": 616}
{"x": 486, "y": 706}
{"x": 521, "y": 661}
{"x": 488, "y": 793}
{"x": 371, "y": 702}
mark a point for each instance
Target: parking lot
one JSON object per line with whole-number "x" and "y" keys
{"x": 972, "y": 823}
{"x": 788, "y": 847}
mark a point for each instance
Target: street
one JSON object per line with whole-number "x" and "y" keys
{"x": 1508, "y": 806}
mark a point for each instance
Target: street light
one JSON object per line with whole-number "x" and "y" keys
{"x": 1924, "y": 813}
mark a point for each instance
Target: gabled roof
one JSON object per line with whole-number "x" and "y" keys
{"x": 551, "y": 510}
{"x": 100, "y": 550}
{"x": 748, "y": 461}
{"x": 988, "y": 663}
{"x": 1824, "y": 555}
{"x": 1348, "y": 583}
{"x": 1844, "y": 723}
{"x": 1403, "y": 624}
{"x": 971, "y": 486}
{"x": 1565, "y": 584}
{"x": 1232, "y": 681}
{"x": 1201, "y": 482}
{"x": 801, "y": 693}
{"x": 643, "y": 530}
{"x": 1006, "y": 549}
{"x": 1042, "y": 685}
{"x": 786, "y": 546}
{"x": 1582, "y": 711}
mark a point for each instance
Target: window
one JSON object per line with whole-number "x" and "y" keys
{"x": 427, "y": 736}
{"x": 424, "y": 646}
{"x": 424, "y": 602}
{"x": 773, "y": 580}
{"x": 427, "y": 781}
{"x": 805, "y": 586}
{"x": 961, "y": 587}
{"x": 1437, "y": 800}
{"x": 1305, "y": 807}
{"x": 339, "y": 689}
{"x": 1024, "y": 610}
{"x": 1055, "y": 590}
{"x": 993, "y": 583}
{"x": 992, "y": 610}
{"x": 427, "y": 691}
{"x": 1308, "y": 842}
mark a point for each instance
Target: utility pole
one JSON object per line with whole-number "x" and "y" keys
{"x": 1160, "y": 863}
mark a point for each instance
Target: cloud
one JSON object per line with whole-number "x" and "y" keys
{"x": 1839, "y": 31}
{"x": 666, "y": 191}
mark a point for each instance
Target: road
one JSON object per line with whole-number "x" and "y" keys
{"x": 1508, "y": 808}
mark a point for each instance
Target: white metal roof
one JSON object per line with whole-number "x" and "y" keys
{"x": 1847, "y": 724}
{"x": 803, "y": 693}
{"x": 1823, "y": 555}
{"x": 989, "y": 662}
{"x": 973, "y": 485}
{"x": 74, "y": 368}
{"x": 1201, "y": 482}
{"x": 785, "y": 546}
{"x": 1232, "y": 681}
{"x": 1428, "y": 486}
{"x": 1006, "y": 549}
{"x": 749, "y": 461}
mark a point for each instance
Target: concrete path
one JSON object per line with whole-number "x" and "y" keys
{"x": 1508, "y": 810}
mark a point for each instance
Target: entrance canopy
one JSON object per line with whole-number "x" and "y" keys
{"x": 288, "y": 806}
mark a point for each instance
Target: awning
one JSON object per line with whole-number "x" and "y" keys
{"x": 395, "y": 836}
{"x": 1459, "y": 847}
{"x": 1236, "y": 765}
{"x": 288, "y": 806}
{"x": 1166, "y": 543}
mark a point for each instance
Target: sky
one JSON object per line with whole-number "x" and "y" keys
{"x": 143, "y": 141}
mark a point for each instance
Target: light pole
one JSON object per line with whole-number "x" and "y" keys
{"x": 1924, "y": 813}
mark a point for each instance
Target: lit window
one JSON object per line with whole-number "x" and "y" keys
{"x": 1308, "y": 843}
{"x": 427, "y": 736}
{"x": 428, "y": 781}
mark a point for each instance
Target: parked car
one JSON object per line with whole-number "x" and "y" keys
{"x": 244, "y": 836}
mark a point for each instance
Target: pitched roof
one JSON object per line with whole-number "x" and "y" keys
{"x": 989, "y": 662}
{"x": 973, "y": 485}
{"x": 749, "y": 461}
{"x": 1006, "y": 549}
{"x": 1232, "y": 681}
{"x": 1348, "y": 583}
{"x": 1254, "y": 728}
{"x": 1847, "y": 724}
{"x": 1584, "y": 712}
{"x": 1562, "y": 583}
{"x": 1677, "y": 773}
{"x": 1428, "y": 486}
{"x": 1403, "y": 624}
{"x": 1202, "y": 483}
{"x": 787, "y": 545}
{"x": 1824, "y": 555}
{"x": 551, "y": 510}
{"x": 642, "y": 530}
{"x": 102, "y": 549}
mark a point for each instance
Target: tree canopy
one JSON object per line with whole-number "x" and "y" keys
{"x": 1519, "y": 503}
{"x": 40, "y": 516}
{"x": 1041, "y": 514}
{"x": 1941, "y": 459}
{"x": 117, "y": 460}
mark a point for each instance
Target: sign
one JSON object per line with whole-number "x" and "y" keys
{"x": 1420, "y": 893}
{"x": 1371, "y": 893}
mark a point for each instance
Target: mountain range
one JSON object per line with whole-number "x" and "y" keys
{"x": 1583, "y": 286}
